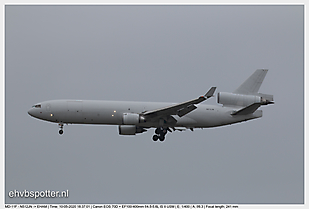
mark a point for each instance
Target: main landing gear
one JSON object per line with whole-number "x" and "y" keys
{"x": 61, "y": 128}
{"x": 160, "y": 134}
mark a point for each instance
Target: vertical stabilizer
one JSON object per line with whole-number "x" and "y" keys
{"x": 252, "y": 85}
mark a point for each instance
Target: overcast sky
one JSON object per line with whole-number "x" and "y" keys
{"x": 154, "y": 53}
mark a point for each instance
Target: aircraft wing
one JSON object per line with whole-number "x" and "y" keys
{"x": 182, "y": 108}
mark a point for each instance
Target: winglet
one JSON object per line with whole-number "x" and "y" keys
{"x": 211, "y": 92}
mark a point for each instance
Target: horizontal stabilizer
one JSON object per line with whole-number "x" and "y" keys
{"x": 247, "y": 110}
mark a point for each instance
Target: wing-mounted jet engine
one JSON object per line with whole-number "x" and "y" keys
{"x": 130, "y": 129}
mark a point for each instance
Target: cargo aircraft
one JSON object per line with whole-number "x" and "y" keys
{"x": 136, "y": 117}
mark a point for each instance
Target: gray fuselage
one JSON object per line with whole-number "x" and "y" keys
{"x": 111, "y": 113}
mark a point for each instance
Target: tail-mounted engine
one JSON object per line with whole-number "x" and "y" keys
{"x": 231, "y": 99}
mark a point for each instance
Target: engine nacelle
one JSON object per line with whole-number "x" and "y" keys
{"x": 130, "y": 130}
{"x": 132, "y": 119}
{"x": 237, "y": 99}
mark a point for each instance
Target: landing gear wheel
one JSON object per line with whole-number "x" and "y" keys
{"x": 61, "y": 128}
{"x": 158, "y": 131}
{"x": 155, "y": 138}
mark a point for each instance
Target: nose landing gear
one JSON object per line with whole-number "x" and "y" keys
{"x": 61, "y": 128}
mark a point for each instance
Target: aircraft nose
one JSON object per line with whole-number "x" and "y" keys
{"x": 30, "y": 112}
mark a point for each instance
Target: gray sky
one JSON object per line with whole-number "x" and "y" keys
{"x": 154, "y": 53}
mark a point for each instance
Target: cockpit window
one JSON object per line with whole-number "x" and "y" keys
{"x": 37, "y": 106}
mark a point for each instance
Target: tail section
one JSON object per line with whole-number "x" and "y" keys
{"x": 252, "y": 85}
{"x": 246, "y": 95}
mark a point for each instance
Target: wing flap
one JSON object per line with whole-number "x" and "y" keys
{"x": 186, "y": 110}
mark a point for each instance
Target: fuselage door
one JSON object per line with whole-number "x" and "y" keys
{"x": 48, "y": 107}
